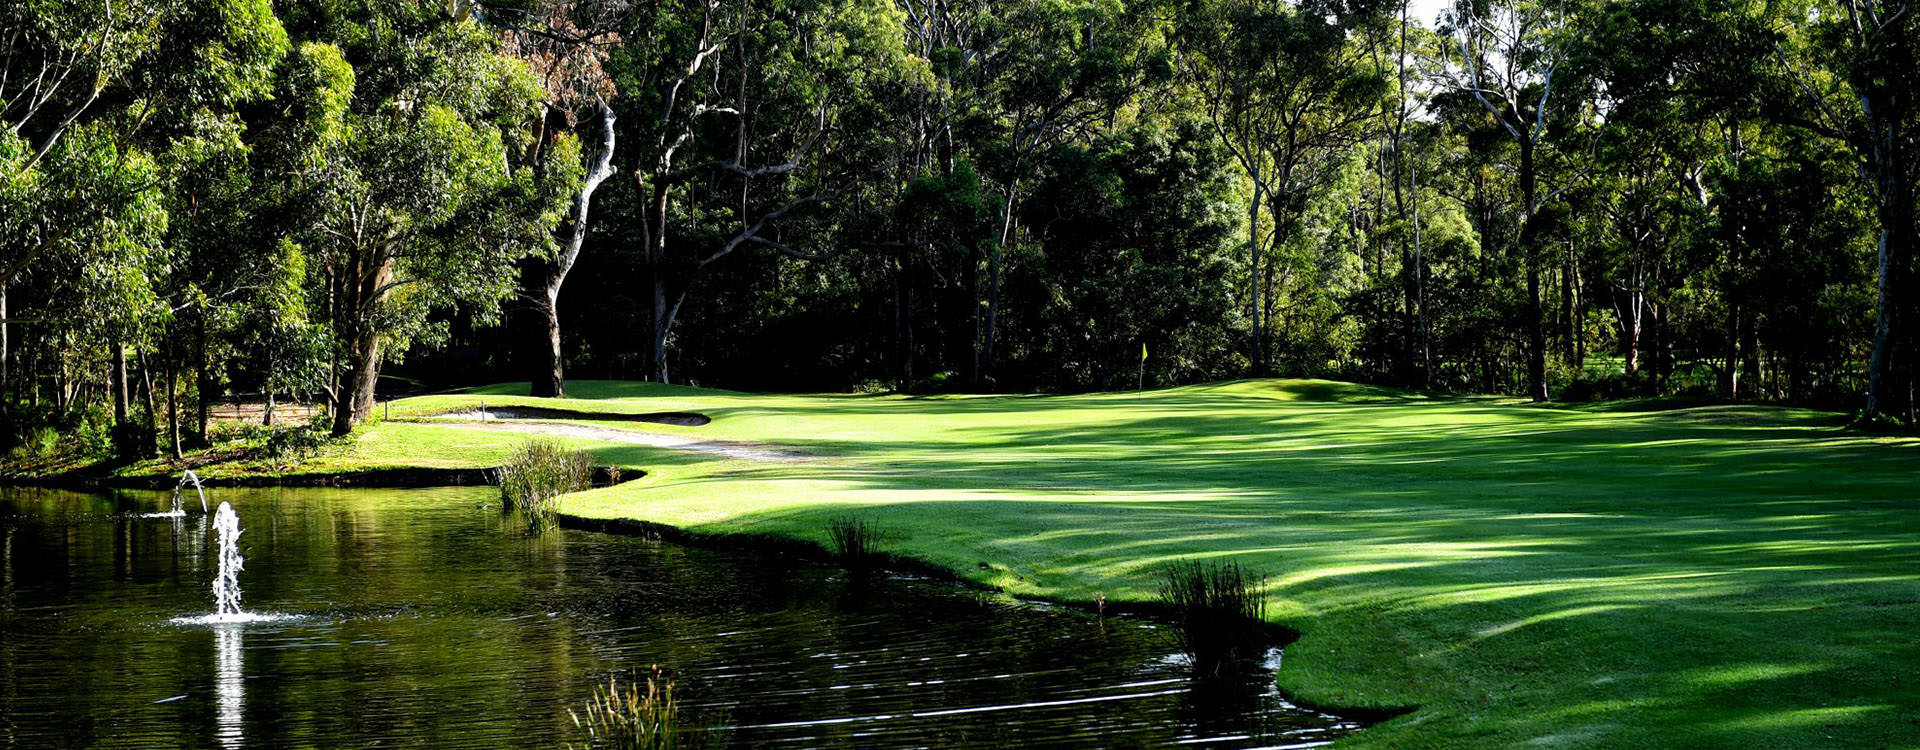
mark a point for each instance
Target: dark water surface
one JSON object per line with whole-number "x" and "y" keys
{"x": 423, "y": 618}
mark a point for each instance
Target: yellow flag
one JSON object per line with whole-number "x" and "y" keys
{"x": 1143, "y": 351}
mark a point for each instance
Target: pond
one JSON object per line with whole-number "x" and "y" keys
{"x": 426, "y": 618}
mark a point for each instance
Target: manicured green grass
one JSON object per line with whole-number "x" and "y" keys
{"x": 1716, "y": 576}
{"x": 1633, "y": 577}
{"x": 394, "y": 444}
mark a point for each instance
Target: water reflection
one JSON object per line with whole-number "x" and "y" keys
{"x": 229, "y": 688}
{"x": 422, "y": 619}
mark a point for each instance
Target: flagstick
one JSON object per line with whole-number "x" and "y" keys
{"x": 1140, "y": 381}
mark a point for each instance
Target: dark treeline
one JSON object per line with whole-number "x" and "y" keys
{"x": 1570, "y": 199}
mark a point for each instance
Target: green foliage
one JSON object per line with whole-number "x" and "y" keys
{"x": 537, "y": 474}
{"x": 1219, "y": 612}
{"x": 1138, "y": 229}
{"x": 298, "y": 442}
{"x": 632, "y": 718}
{"x": 284, "y": 198}
{"x": 854, "y": 541}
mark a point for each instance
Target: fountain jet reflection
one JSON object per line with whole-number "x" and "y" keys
{"x": 229, "y": 691}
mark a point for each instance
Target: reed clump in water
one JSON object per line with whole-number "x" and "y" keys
{"x": 538, "y": 473}
{"x": 1218, "y": 612}
{"x": 854, "y": 542}
{"x": 633, "y": 717}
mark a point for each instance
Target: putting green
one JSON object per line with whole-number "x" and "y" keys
{"x": 1616, "y": 576}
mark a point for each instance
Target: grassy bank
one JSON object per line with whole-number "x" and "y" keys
{"x": 1615, "y": 576}
{"x": 1715, "y": 576}
{"x": 389, "y": 446}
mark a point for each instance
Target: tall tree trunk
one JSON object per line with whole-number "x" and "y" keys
{"x": 1420, "y": 282}
{"x": 549, "y": 378}
{"x": 6, "y": 350}
{"x": 146, "y": 446}
{"x": 1569, "y": 301}
{"x": 1887, "y": 392}
{"x": 1729, "y": 375}
{"x": 202, "y": 377}
{"x": 1889, "y": 365}
{"x": 543, "y": 285}
{"x": 353, "y": 403}
{"x": 984, "y": 366}
{"x": 666, "y": 307}
{"x": 1630, "y": 312}
{"x": 1536, "y": 329}
{"x": 657, "y": 350}
{"x": 1257, "y": 367}
{"x": 62, "y": 396}
{"x": 173, "y": 404}
{"x": 364, "y": 288}
{"x": 118, "y": 390}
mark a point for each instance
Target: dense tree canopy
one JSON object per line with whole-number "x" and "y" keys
{"x": 1549, "y": 198}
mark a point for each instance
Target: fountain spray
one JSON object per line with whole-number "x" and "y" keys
{"x": 226, "y": 583}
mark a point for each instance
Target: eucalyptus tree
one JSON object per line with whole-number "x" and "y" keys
{"x": 1851, "y": 71}
{"x": 939, "y": 222}
{"x": 91, "y": 292}
{"x": 1505, "y": 55}
{"x": 1139, "y": 229}
{"x": 417, "y": 204}
{"x": 1290, "y": 94}
{"x": 57, "y": 60}
{"x": 135, "y": 70}
{"x": 738, "y": 115}
{"x": 112, "y": 89}
{"x": 566, "y": 45}
{"x": 1056, "y": 71}
{"x": 1677, "y": 80}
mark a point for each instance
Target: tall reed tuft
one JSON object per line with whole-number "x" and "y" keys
{"x": 1218, "y": 612}
{"x": 855, "y": 542}
{"x": 537, "y": 474}
{"x": 633, "y": 718}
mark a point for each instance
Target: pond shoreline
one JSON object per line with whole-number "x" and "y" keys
{"x": 391, "y": 478}
{"x": 1280, "y": 635}
{"x": 445, "y": 569}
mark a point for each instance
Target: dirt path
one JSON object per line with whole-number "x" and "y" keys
{"x": 746, "y": 451}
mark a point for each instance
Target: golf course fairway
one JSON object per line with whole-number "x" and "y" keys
{"x": 1622, "y": 575}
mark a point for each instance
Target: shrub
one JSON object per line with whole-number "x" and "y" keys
{"x": 1218, "y": 612}
{"x": 632, "y": 718}
{"x": 92, "y": 433}
{"x": 537, "y": 473}
{"x": 853, "y": 540}
{"x": 298, "y": 442}
{"x": 42, "y": 441}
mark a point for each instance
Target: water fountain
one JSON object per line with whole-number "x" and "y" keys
{"x": 186, "y": 477}
{"x": 226, "y": 582}
{"x": 179, "y": 509}
{"x": 226, "y": 578}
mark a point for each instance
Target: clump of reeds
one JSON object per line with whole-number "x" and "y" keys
{"x": 537, "y": 474}
{"x": 631, "y": 717}
{"x": 855, "y": 542}
{"x": 1218, "y": 612}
